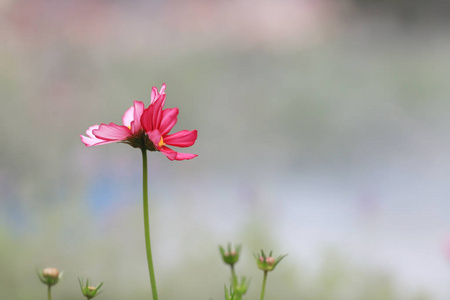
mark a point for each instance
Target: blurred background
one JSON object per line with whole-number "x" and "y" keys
{"x": 323, "y": 133}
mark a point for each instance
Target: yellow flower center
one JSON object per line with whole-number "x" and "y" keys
{"x": 161, "y": 143}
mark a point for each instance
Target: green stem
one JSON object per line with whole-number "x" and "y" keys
{"x": 264, "y": 285}
{"x": 49, "y": 292}
{"x": 238, "y": 296}
{"x": 233, "y": 275}
{"x": 147, "y": 225}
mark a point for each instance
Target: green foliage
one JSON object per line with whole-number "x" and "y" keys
{"x": 230, "y": 295}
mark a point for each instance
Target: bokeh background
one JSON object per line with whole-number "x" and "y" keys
{"x": 323, "y": 133}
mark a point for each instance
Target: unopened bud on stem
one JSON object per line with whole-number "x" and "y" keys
{"x": 49, "y": 276}
{"x": 230, "y": 256}
{"x": 267, "y": 263}
{"x": 89, "y": 291}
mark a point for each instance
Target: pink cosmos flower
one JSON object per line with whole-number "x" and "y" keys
{"x": 145, "y": 128}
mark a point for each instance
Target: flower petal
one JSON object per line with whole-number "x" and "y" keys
{"x": 147, "y": 118}
{"x": 152, "y": 116}
{"x": 173, "y": 155}
{"x": 128, "y": 116}
{"x": 163, "y": 89}
{"x": 155, "y": 137}
{"x": 184, "y": 138}
{"x": 157, "y": 111}
{"x": 168, "y": 120}
{"x": 155, "y": 95}
{"x": 112, "y": 132}
{"x": 89, "y": 131}
{"x": 91, "y": 140}
{"x": 183, "y": 156}
{"x": 168, "y": 152}
{"x": 138, "y": 110}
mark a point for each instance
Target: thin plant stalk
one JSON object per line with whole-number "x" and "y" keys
{"x": 49, "y": 292}
{"x": 264, "y": 285}
{"x": 233, "y": 275}
{"x": 147, "y": 224}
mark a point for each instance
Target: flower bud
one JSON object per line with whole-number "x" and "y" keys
{"x": 89, "y": 291}
{"x": 270, "y": 260}
{"x": 49, "y": 276}
{"x": 230, "y": 256}
{"x": 50, "y": 273}
{"x": 267, "y": 263}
